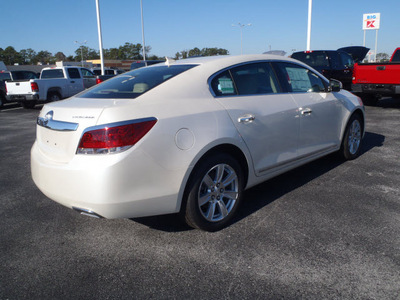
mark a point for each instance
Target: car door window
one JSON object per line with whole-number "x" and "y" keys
{"x": 298, "y": 79}
{"x": 86, "y": 73}
{"x": 250, "y": 79}
{"x": 73, "y": 73}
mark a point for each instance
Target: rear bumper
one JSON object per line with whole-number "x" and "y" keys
{"x": 380, "y": 89}
{"x": 22, "y": 97}
{"x": 108, "y": 186}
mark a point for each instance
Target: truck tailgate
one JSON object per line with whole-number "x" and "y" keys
{"x": 19, "y": 87}
{"x": 377, "y": 73}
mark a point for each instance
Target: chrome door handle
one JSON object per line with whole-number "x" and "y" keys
{"x": 306, "y": 111}
{"x": 246, "y": 119}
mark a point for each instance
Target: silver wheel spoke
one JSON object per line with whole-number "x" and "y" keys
{"x": 211, "y": 211}
{"x": 220, "y": 173}
{"x": 222, "y": 208}
{"x": 232, "y": 195}
{"x": 208, "y": 181}
{"x": 204, "y": 199}
{"x": 228, "y": 180}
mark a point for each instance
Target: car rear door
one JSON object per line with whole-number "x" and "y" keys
{"x": 320, "y": 113}
{"x": 264, "y": 117}
{"x": 75, "y": 82}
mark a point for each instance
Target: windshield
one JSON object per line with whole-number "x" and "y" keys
{"x": 135, "y": 83}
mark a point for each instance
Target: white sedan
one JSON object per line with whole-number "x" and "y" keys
{"x": 189, "y": 136}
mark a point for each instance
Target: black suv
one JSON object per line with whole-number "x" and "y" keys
{"x": 334, "y": 64}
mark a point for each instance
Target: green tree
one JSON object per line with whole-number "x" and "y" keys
{"x": 44, "y": 57}
{"x": 11, "y": 56}
{"x": 382, "y": 57}
{"x": 59, "y": 56}
{"x": 27, "y": 55}
{"x": 86, "y": 53}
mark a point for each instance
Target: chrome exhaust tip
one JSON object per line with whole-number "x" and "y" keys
{"x": 87, "y": 212}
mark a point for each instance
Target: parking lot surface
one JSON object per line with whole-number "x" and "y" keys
{"x": 327, "y": 230}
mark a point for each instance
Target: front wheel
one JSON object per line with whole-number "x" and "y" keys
{"x": 214, "y": 193}
{"x": 352, "y": 140}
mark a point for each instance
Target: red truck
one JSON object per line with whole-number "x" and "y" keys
{"x": 374, "y": 80}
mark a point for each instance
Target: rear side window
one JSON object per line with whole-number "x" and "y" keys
{"x": 299, "y": 79}
{"x": 249, "y": 79}
{"x": 73, "y": 73}
{"x": 53, "y": 73}
{"x": 135, "y": 83}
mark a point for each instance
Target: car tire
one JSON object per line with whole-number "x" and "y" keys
{"x": 28, "y": 104}
{"x": 53, "y": 96}
{"x": 352, "y": 138}
{"x": 3, "y": 99}
{"x": 213, "y": 193}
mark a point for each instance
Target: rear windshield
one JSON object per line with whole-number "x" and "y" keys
{"x": 313, "y": 59}
{"x": 54, "y": 73}
{"x": 135, "y": 83}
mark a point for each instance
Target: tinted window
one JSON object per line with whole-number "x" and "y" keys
{"x": 87, "y": 73}
{"x": 299, "y": 79}
{"x": 255, "y": 79}
{"x": 134, "y": 83}
{"x": 223, "y": 85}
{"x": 73, "y": 73}
{"x": 5, "y": 76}
{"x": 347, "y": 60}
{"x": 396, "y": 56}
{"x": 313, "y": 59}
{"x": 53, "y": 73}
{"x": 251, "y": 79}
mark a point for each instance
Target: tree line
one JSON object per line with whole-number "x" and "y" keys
{"x": 128, "y": 51}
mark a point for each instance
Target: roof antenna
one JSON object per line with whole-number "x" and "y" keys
{"x": 169, "y": 61}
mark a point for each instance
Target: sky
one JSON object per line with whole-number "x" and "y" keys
{"x": 175, "y": 25}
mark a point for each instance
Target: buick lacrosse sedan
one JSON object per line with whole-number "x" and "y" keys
{"x": 190, "y": 136}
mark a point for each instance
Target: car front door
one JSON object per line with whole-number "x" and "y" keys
{"x": 319, "y": 111}
{"x": 265, "y": 118}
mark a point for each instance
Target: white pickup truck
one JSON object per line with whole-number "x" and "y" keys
{"x": 54, "y": 84}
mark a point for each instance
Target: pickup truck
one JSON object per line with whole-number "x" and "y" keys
{"x": 374, "y": 80}
{"x": 13, "y": 75}
{"x": 54, "y": 84}
{"x": 334, "y": 64}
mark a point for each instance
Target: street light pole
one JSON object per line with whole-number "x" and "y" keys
{"x": 100, "y": 37}
{"x": 241, "y": 34}
{"x": 309, "y": 25}
{"x": 144, "y": 45}
{"x": 81, "y": 45}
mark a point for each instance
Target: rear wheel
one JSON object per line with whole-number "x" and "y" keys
{"x": 214, "y": 193}
{"x": 53, "y": 96}
{"x": 352, "y": 140}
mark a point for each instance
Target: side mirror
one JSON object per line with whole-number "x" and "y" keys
{"x": 335, "y": 85}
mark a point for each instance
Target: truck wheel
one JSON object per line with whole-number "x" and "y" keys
{"x": 28, "y": 104}
{"x": 53, "y": 96}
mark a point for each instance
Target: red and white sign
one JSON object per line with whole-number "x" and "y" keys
{"x": 371, "y": 21}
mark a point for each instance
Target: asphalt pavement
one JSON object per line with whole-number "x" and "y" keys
{"x": 327, "y": 230}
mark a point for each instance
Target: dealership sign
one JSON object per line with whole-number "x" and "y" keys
{"x": 371, "y": 21}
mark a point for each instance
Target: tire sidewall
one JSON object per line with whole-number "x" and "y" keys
{"x": 192, "y": 214}
{"x": 345, "y": 144}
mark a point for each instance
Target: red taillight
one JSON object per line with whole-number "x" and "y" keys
{"x": 98, "y": 80}
{"x": 34, "y": 87}
{"x": 114, "y": 139}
